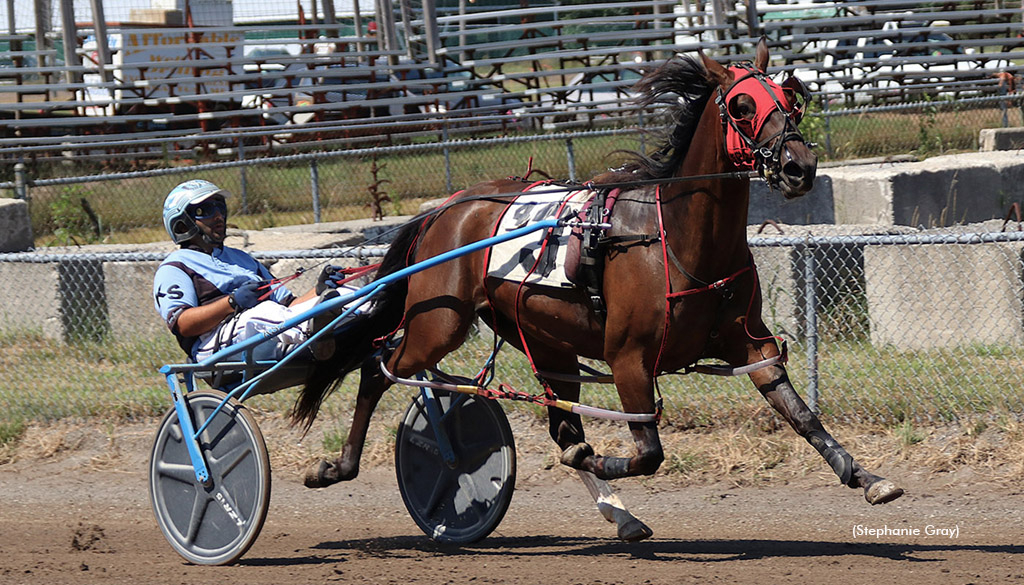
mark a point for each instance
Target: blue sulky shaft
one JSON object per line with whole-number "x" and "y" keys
{"x": 363, "y": 294}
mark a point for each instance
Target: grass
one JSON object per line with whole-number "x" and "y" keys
{"x": 11, "y": 431}
{"x": 936, "y": 129}
{"x": 46, "y": 380}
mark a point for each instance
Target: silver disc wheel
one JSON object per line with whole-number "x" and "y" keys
{"x": 464, "y": 503}
{"x": 213, "y": 524}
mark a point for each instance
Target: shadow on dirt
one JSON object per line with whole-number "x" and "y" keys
{"x": 703, "y": 551}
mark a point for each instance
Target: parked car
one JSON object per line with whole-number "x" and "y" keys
{"x": 863, "y": 69}
{"x": 453, "y": 90}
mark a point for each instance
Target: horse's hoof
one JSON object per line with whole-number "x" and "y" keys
{"x": 882, "y": 491}
{"x": 316, "y": 476}
{"x": 634, "y": 531}
{"x": 574, "y": 455}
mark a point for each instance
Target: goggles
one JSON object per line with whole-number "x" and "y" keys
{"x": 208, "y": 209}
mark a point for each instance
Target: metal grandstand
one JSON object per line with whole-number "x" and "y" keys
{"x": 168, "y": 81}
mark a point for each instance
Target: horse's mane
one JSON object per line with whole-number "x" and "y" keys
{"x": 682, "y": 85}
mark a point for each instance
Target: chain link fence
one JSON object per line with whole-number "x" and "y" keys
{"x": 911, "y": 325}
{"x": 907, "y": 325}
{"x": 123, "y": 207}
{"x": 924, "y": 128}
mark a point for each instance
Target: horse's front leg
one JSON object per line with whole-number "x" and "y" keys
{"x": 629, "y": 527}
{"x": 773, "y": 383}
{"x": 636, "y": 392}
{"x": 566, "y": 430}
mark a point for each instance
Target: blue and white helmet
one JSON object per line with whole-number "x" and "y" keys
{"x": 179, "y": 225}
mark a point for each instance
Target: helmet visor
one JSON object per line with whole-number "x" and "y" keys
{"x": 208, "y": 208}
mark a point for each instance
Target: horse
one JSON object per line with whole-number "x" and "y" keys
{"x": 678, "y": 282}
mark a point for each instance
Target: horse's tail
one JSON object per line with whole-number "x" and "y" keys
{"x": 359, "y": 340}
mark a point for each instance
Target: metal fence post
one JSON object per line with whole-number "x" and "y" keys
{"x": 640, "y": 121}
{"x": 1003, "y": 106}
{"x": 314, "y": 179}
{"x": 447, "y": 158}
{"x": 828, "y": 124}
{"x": 811, "y": 325}
{"x": 243, "y": 182}
{"x": 20, "y": 182}
{"x": 570, "y": 156}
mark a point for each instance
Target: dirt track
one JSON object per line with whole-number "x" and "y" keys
{"x": 83, "y": 517}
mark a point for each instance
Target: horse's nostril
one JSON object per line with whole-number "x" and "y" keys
{"x": 793, "y": 170}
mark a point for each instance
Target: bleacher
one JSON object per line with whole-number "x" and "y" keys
{"x": 517, "y": 69}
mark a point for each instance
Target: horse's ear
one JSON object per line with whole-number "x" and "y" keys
{"x": 761, "y": 55}
{"x": 716, "y": 73}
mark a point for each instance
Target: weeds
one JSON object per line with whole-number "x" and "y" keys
{"x": 11, "y": 432}
{"x": 907, "y": 435}
{"x": 334, "y": 438}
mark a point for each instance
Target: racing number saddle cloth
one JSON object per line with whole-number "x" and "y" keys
{"x": 548, "y": 257}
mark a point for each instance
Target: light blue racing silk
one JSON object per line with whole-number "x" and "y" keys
{"x": 190, "y": 277}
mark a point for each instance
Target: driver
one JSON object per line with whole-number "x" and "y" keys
{"x": 212, "y": 296}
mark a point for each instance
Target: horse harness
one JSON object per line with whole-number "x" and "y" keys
{"x": 743, "y": 150}
{"x": 740, "y": 134}
{"x": 594, "y": 246}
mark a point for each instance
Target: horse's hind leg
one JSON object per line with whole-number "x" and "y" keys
{"x": 773, "y": 383}
{"x": 429, "y": 336}
{"x": 372, "y": 385}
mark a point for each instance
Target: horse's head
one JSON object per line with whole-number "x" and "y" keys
{"x": 760, "y": 118}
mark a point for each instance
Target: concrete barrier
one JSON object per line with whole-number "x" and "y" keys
{"x": 31, "y": 302}
{"x": 936, "y": 296}
{"x": 991, "y": 139}
{"x": 780, "y": 290}
{"x": 129, "y": 296}
{"x": 63, "y": 300}
{"x": 940, "y": 191}
{"x": 816, "y": 207}
{"x": 15, "y": 226}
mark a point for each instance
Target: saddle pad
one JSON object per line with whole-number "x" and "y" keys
{"x": 516, "y": 260}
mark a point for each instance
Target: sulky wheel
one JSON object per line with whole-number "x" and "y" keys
{"x": 213, "y": 524}
{"x": 463, "y": 503}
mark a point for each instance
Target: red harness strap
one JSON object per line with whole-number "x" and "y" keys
{"x": 713, "y": 286}
{"x": 718, "y": 284}
{"x": 519, "y": 290}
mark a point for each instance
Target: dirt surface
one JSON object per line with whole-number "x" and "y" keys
{"x": 78, "y": 513}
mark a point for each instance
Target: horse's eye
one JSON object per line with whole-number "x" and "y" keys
{"x": 742, "y": 108}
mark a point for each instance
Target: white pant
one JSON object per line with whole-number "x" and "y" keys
{"x": 256, "y": 321}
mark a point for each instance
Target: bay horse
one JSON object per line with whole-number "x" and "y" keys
{"x": 662, "y": 312}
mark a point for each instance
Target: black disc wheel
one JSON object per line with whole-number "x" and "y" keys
{"x": 463, "y": 503}
{"x": 212, "y": 524}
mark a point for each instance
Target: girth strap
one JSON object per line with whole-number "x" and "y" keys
{"x": 592, "y": 256}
